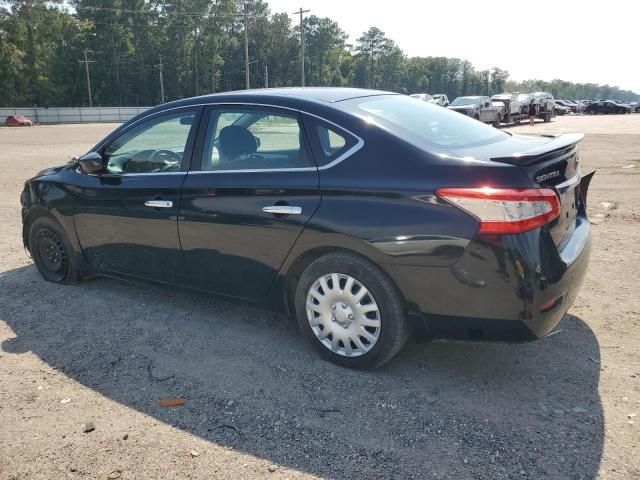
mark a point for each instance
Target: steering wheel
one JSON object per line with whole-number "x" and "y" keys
{"x": 168, "y": 158}
{"x": 165, "y": 156}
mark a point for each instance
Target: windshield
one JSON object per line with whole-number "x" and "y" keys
{"x": 432, "y": 123}
{"x": 465, "y": 101}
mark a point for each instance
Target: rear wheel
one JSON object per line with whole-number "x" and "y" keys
{"x": 51, "y": 251}
{"x": 350, "y": 311}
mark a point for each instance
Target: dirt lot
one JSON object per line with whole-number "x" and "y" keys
{"x": 260, "y": 403}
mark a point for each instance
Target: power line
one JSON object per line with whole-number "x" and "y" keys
{"x": 164, "y": 13}
{"x": 151, "y": 25}
{"x": 301, "y": 12}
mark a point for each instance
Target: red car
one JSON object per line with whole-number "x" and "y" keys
{"x": 18, "y": 121}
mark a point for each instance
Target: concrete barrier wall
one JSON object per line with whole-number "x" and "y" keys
{"x": 73, "y": 115}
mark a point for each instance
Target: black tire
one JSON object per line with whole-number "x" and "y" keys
{"x": 51, "y": 251}
{"x": 637, "y": 109}
{"x": 394, "y": 327}
{"x": 476, "y": 117}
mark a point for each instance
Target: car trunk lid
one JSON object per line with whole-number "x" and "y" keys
{"x": 552, "y": 162}
{"x": 548, "y": 161}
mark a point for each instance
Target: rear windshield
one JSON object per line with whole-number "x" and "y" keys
{"x": 436, "y": 125}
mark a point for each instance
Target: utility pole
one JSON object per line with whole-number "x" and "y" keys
{"x": 301, "y": 12}
{"x": 86, "y": 62}
{"x": 266, "y": 76}
{"x": 161, "y": 81}
{"x": 213, "y": 75}
{"x": 246, "y": 49}
{"x": 195, "y": 63}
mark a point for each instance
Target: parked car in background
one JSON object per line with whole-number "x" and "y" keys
{"x": 570, "y": 105}
{"x": 18, "y": 121}
{"x": 478, "y": 107}
{"x": 635, "y": 106}
{"x": 425, "y": 97}
{"x": 606, "y": 106}
{"x": 624, "y": 104}
{"x": 441, "y": 99}
{"x": 561, "y": 109}
{"x": 225, "y": 194}
{"x": 511, "y": 108}
{"x": 546, "y": 104}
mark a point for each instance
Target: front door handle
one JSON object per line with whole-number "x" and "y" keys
{"x": 158, "y": 203}
{"x": 282, "y": 210}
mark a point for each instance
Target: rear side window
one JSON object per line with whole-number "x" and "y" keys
{"x": 328, "y": 141}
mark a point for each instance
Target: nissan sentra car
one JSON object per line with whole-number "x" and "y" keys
{"x": 367, "y": 215}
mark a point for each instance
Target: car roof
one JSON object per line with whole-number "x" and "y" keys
{"x": 312, "y": 98}
{"x": 322, "y": 94}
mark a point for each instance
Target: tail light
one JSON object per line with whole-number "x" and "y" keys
{"x": 505, "y": 210}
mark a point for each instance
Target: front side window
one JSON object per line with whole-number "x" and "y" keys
{"x": 253, "y": 140}
{"x": 154, "y": 146}
{"x": 435, "y": 125}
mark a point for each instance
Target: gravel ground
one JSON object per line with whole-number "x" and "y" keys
{"x": 259, "y": 403}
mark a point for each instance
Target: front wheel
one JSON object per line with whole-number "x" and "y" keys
{"x": 51, "y": 251}
{"x": 350, "y": 311}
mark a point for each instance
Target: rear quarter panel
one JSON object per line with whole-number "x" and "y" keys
{"x": 381, "y": 202}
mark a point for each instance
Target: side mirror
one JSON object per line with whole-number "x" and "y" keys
{"x": 91, "y": 162}
{"x": 487, "y": 104}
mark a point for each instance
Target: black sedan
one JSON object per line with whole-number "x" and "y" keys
{"x": 368, "y": 216}
{"x": 606, "y": 106}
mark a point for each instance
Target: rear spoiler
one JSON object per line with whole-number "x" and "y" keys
{"x": 559, "y": 144}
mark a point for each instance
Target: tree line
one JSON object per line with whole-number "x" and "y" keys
{"x": 46, "y": 47}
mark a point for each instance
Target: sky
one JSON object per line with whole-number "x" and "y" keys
{"x": 580, "y": 41}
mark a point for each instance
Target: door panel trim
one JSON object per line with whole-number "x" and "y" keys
{"x": 259, "y": 170}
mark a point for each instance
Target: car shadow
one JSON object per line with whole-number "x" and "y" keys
{"x": 445, "y": 410}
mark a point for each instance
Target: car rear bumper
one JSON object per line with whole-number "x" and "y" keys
{"x": 512, "y": 287}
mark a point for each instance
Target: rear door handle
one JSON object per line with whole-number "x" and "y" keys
{"x": 158, "y": 203}
{"x": 282, "y": 210}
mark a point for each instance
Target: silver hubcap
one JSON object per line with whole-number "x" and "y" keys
{"x": 343, "y": 314}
